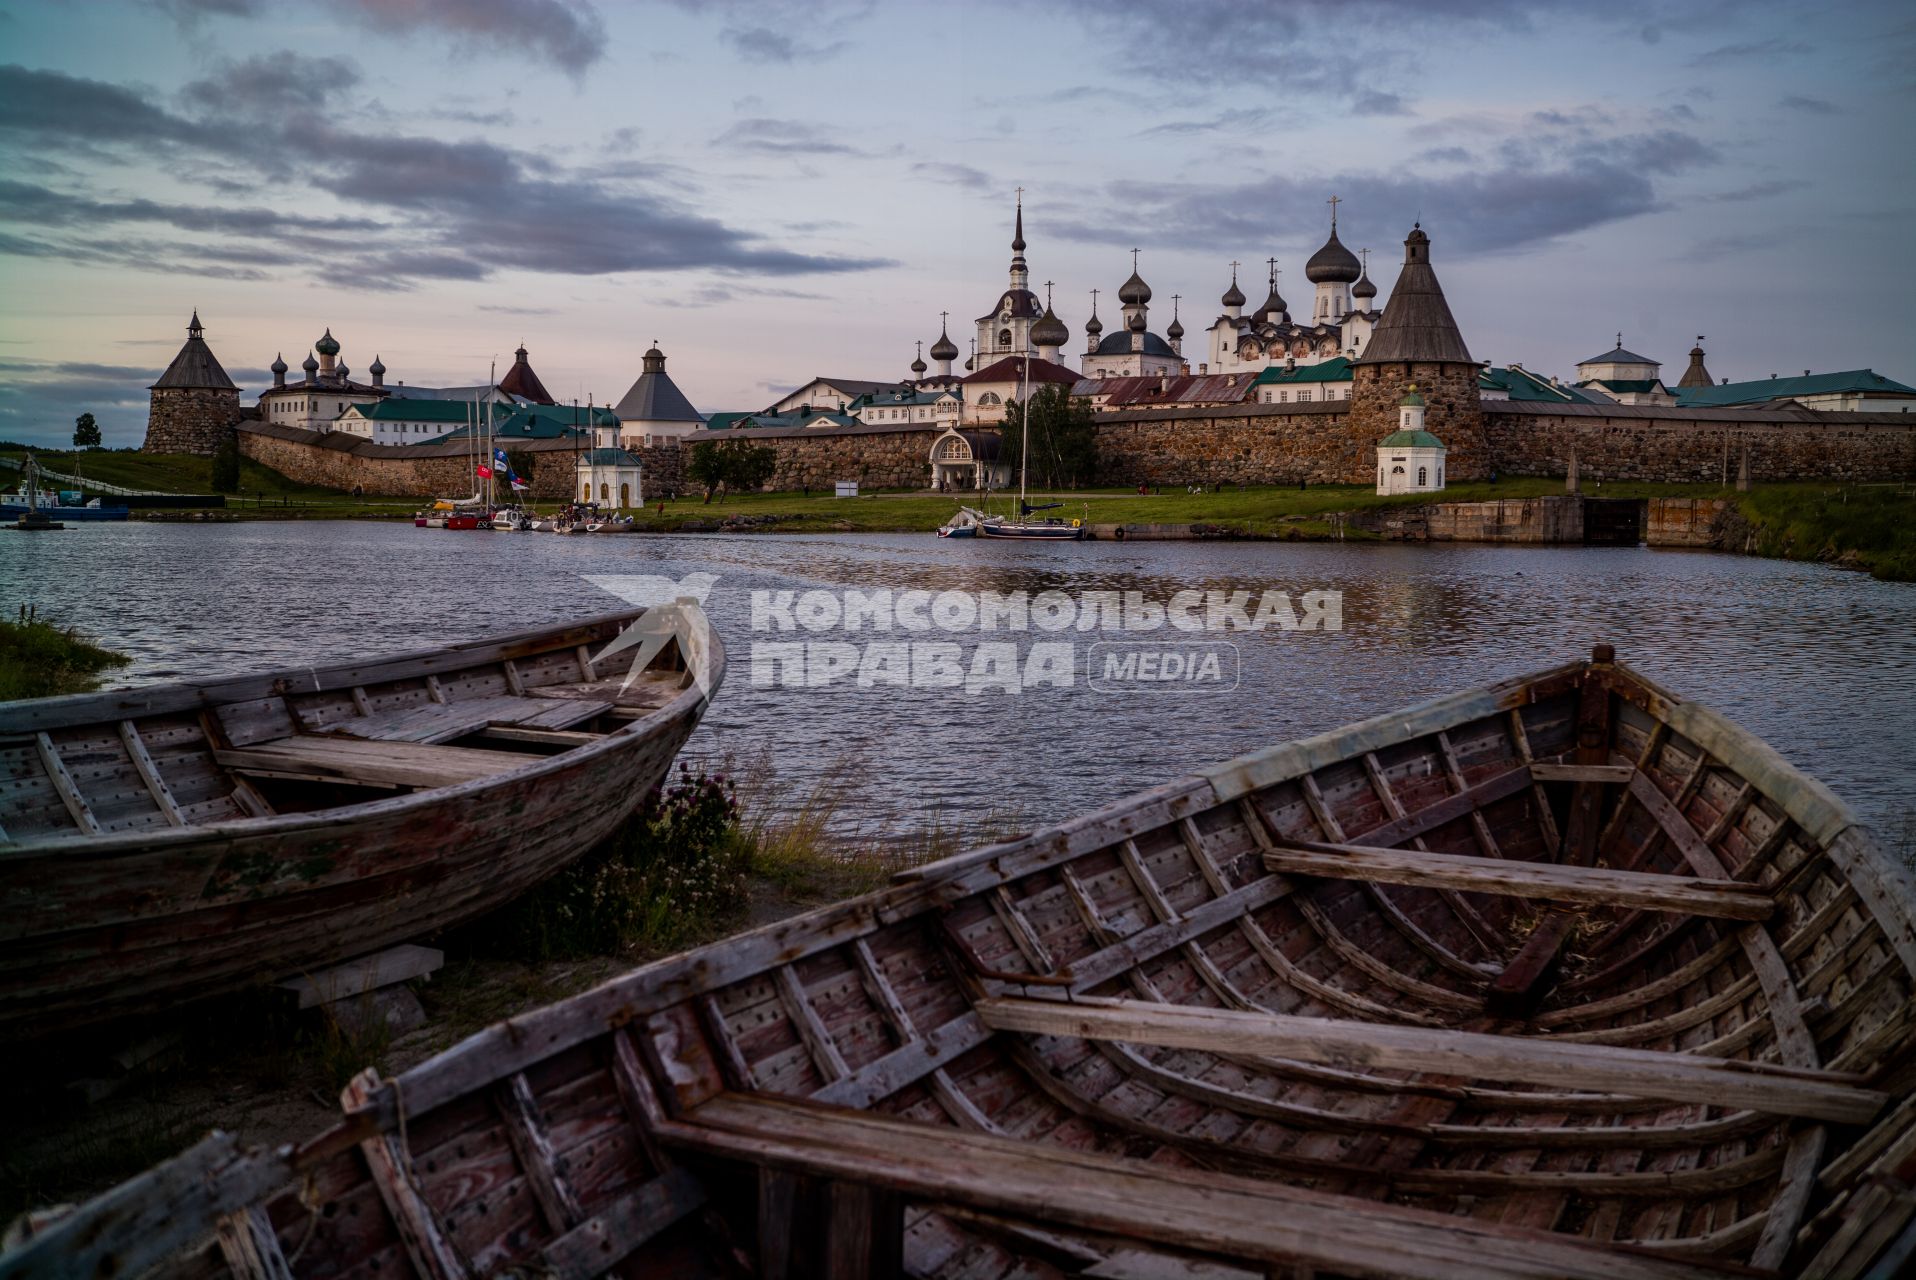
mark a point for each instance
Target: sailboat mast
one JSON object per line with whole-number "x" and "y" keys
{"x": 492, "y": 374}
{"x": 1024, "y": 434}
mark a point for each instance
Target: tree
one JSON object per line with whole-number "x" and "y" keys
{"x": 86, "y": 432}
{"x": 226, "y": 464}
{"x": 1064, "y": 439}
{"x": 732, "y": 465}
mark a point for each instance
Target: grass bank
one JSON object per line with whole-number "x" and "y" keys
{"x": 264, "y": 493}
{"x": 39, "y": 659}
{"x": 1870, "y": 527}
{"x": 1262, "y": 511}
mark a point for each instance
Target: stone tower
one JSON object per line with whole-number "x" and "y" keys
{"x": 194, "y": 404}
{"x": 1416, "y": 342}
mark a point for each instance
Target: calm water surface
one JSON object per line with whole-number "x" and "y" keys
{"x": 1820, "y": 662}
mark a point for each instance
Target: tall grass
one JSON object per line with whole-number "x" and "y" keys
{"x": 1871, "y": 527}
{"x": 41, "y": 660}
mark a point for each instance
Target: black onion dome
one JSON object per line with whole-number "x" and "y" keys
{"x": 1364, "y": 288}
{"x": 1049, "y": 331}
{"x": 919, "y": 366}
{"x": 1094, "y": 326}
{"x": 1176, "y": 330}
{"x": 1136, "y": 323}
{"x": 1234, "y": 296}
{"x": 944, "y": 348}
{"x": 1333, "y": 264}
{"x": 327, "y": 344}
{"x": 279, "y": 364}
{"x": 310, "y": 365}
{"x": 1134, "y": 291}
{"x": 378, "y": 368}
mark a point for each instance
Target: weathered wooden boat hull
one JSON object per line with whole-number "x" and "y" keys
{"x": 190, "y": 896}
{"x": 1127, "y": 1045}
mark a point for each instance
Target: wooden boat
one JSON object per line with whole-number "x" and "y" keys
{"x": 1561, "y": 977}
{"x": 183, "y": 840}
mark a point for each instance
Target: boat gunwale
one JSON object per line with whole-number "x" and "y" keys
{"x": 156, "y": 840}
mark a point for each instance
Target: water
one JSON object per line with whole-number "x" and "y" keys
{"x": 1819, "y": 662}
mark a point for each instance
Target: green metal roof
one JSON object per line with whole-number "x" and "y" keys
{"x": 541, "y": 422}
{"x": 609, "y": 458}
{"x": 1774, "y": 388}
{"x": 1335, "y": 369}
{"x": 458, "y": 412}
{"x": 1412, "y": 399}
{"x": 1622, "y": 384}
{"x": 726, "y": 421}
{"x": 1521, "y": 384}
{"x": 1410, "y": 440}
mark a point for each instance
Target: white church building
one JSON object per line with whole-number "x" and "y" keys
{"x": 1410, "y": 459}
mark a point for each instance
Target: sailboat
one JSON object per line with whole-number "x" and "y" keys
{"x": 1051, "y": 528}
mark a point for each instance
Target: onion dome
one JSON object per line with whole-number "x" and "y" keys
{"x": 1364, "y": 288}
{"x": 1134, "y": 292}
{"x": 1176, "y": 330}
{"x": 944, "y": 348}
{"x": 377, "y": 369}
{"x": 310, "y": 365}
{"x": 341, "y": 370}
{"x": 1049, "y": 331}
{"x": 1018, "y": 235}
{"x": 1233, "y": 296}
{"x": 1274, "y": 308}
{"x": 327, "y": 345}
{"x": 1333, "y": 264}
{"x": 1136, "y": 322}
{"x": 919, "y": 366}
{"x": 1094, "y": 326}
{"x": 279, "y": 365}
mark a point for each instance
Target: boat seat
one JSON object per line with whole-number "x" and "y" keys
{"x": 652, "y": 689}
{"x": 437, "y": 722}
{"x": 312, "y": 757}
{"x": 1166, "y": 1205}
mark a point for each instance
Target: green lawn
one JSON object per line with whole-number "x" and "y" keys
{"x": 1869, "y": 527}
{"x": 263, "y": 491}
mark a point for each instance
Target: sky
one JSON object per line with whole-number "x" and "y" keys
{"x": 775, "y": 190}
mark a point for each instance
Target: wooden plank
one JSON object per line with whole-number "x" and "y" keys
{"x": 585, "y": 663}
{"x": 63, "y": 783}
{"x": 376, "y": 763}
{"x": 361, "y": 703}
{"x": 567, "y": 738}
{"x": 367, "y": 973}
{"x": 434, "y": 689}
{"x": 250, "y": 1245}
{"x": 1545, "y": 771}
{"x": 612, "y": 1234}
{"x": 1729, "y": 899}
{"x": 1641, "y": 1073}
{"x": 390, "y": 1164}
{"x": 526, "y": 1131}
{"x": 1215, "y": 1215}
{"x": 1452, "y": 807}
{"x": 777, "y": 1224}
{"x": 811, "y": 1028}
{"x": 150, "y": 774}
{"x": 513, "y": 680}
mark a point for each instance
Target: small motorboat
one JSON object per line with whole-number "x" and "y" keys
{"x": 1560, "y": 977}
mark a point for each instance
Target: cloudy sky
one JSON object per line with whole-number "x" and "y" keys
{"x": 776, "y": 190}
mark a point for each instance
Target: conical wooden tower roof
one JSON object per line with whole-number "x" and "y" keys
{"x": 1416, "y": 324}
{"x": 194, "y": 366}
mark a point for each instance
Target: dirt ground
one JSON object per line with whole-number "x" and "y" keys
{"x": 86, "y": 1115}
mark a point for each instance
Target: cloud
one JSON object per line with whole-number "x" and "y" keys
{"x": 959, "y": 175}
{"x": 273, "y": 85}
{"x": 762, "y": 44}
{"x": 451, "y": 210}
{"x": 1776, "y": 47}
{"x": 1234, "y": 118}
{"x": 1551, "y": 175}
{"x": 569, "y": 34}
{"x": 1373, "y": 102}
{"x": 782, "y": 137}
{"x": 1759, "y": 190}
{"x": 190, "y": 13}
{"x": 40, "y": 399}
{"x": 1810, "y": 106}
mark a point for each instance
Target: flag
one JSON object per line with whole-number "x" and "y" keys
{"x": 485, "y": 472}
{"x": 518, "y": 484}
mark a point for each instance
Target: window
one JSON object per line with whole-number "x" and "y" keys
{"x": 1283, "y": 397}
{"x": 1440, "y": 475}
{"x": 1423, "y": 476}
{"x": 1004, "y": 339}
{"x": 1302, "y": 396}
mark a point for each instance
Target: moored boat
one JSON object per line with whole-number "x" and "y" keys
{"x": 177, "y": 841}
{"x": 1564, "y": 976}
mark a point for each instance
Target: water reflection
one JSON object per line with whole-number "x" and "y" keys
{"x": 1820, "y": 662}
